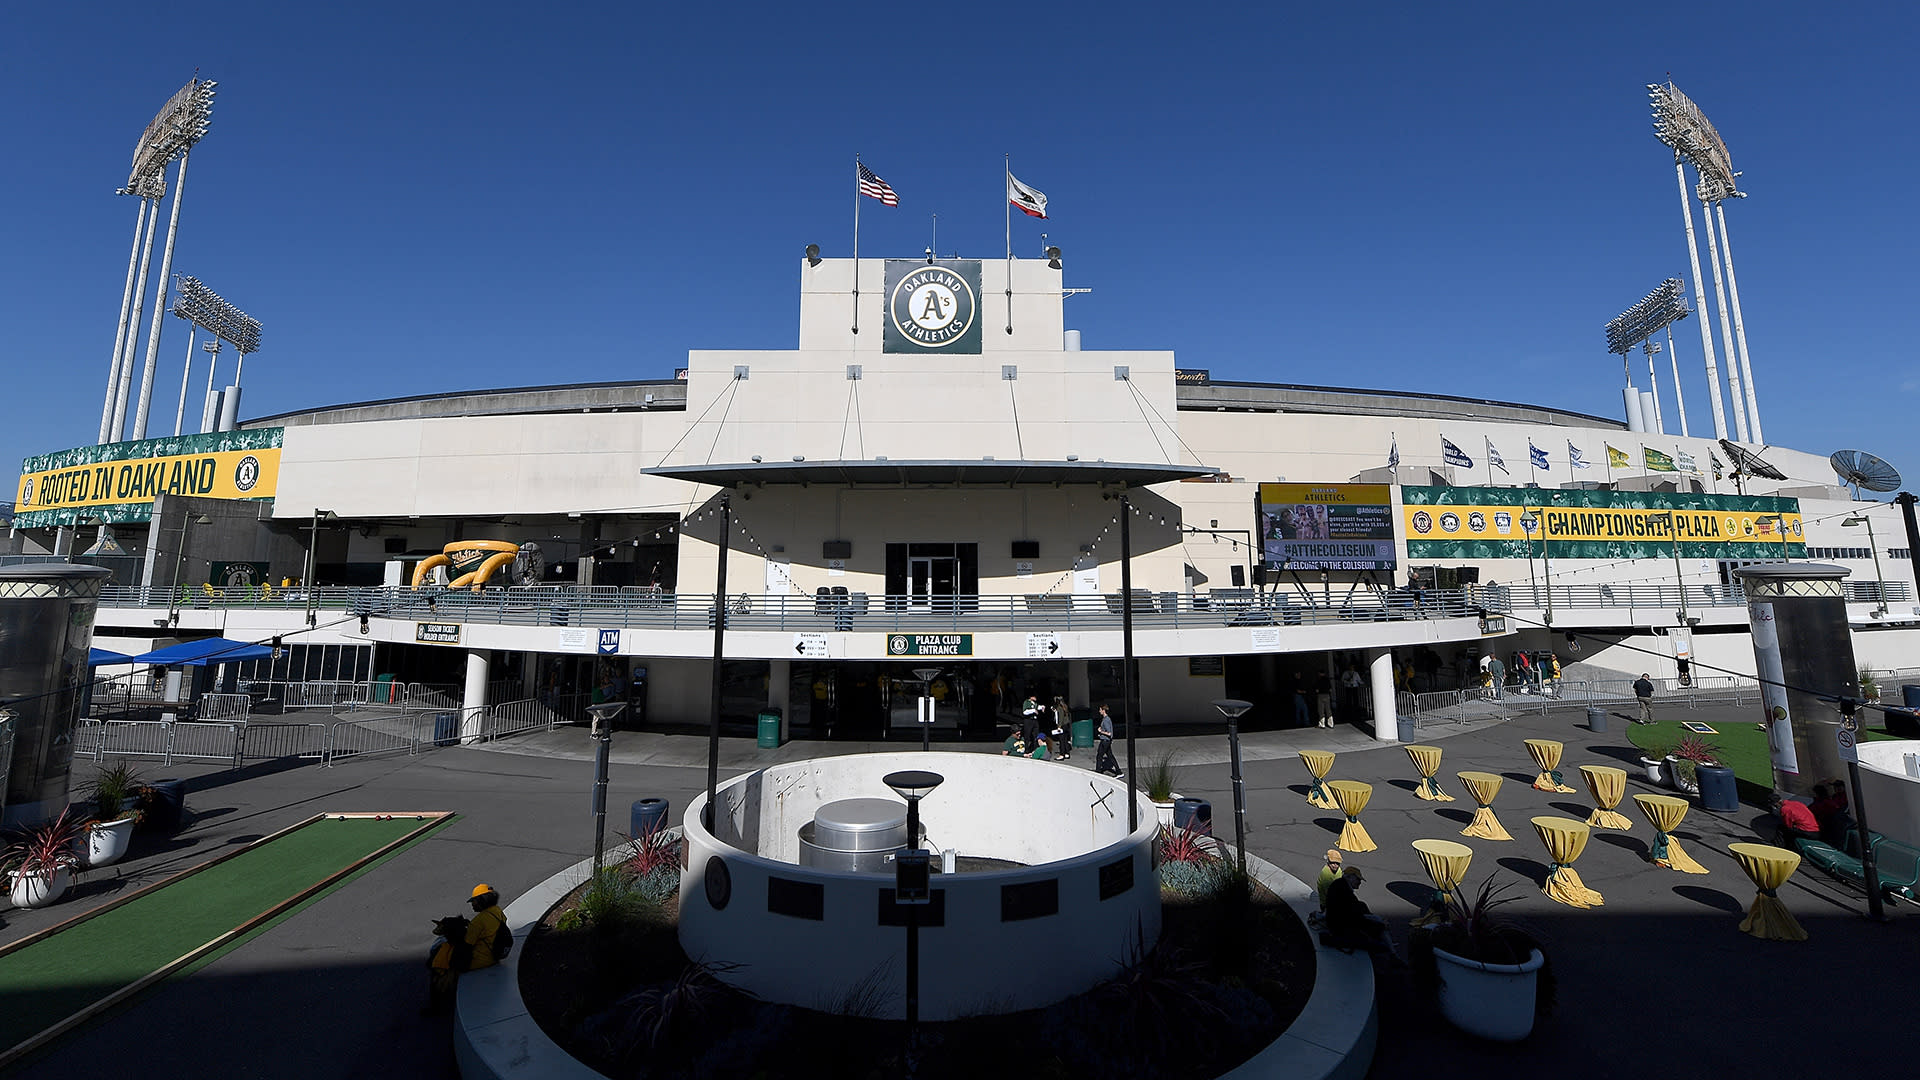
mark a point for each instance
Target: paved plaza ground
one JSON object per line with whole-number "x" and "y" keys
{"x": 1657, "y": 982}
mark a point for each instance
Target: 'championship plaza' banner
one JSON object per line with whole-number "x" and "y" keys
{"x": 118, "y": 481}
{"x": 1326, "y": 526}
{"x": 1492, "y": 523}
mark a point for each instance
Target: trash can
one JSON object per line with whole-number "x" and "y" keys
{"x": 169, "y": 806}
{"x": 1407, "y": 734}
{"x": 1082, "y": 734}
{"x": 769, "y": 729}
{"x": 649, "y": 816}
{"x": 1910, "y": 695}
{"x": 1195, "y": 814}
{"x": 383, "y": 689}
{"x": 1596, "y": 718}
{"x": 1718, "y": 789}
{"x": 446, "y": 728}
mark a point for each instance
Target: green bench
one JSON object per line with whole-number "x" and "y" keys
{"x": 1896, "y": 864}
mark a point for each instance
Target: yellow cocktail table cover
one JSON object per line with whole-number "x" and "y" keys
{"x": 1352, "y": 797}
{"x": 1565, "y": 839}
{"x": 1546, "y": 754}
{"x": 1607, "y": 785}
{"x": 1483, "y": 786}
{"x": 1319, "y": 763}
{"x": 1446, "y": 862}
{"x": 1665, "y": 812}
{"x": 1426, "y": 759}
{"x": 1769, "y": 867}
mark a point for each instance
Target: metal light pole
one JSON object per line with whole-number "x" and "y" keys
{"x": 719, "y": 645}
{"x": 1739, "y": 401}
{"x": 603, "y": 715}
{"x": 1233, "y": 709}
{"x": 926, "y": 675}
{"x": 186, "y": 370}
{"x": 1700, "y": 304}
{"x": 1739, "y": 328}
{"x": 126, "y": 309}
{"x": 306, "y": 579}
{"x": 179, "y": 559}
{"x": 1778, "y": 521}
{"x": 123, "y": 387}
{"x": 1679, "y": 398}
{"x": 159, "y": 303}
{"x": 911, "y": 872}
{"x": 1126, "y": 654}
{"x": 1906, "y": 500}
{"x": 1869, "y": 872}
{"x": 1879, "y": 582}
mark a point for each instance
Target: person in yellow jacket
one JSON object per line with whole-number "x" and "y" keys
{"x": 475, "y": 948}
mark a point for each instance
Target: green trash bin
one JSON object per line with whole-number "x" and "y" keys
{"x": 769, "y": 729}
{"x": 383, "y": 689}
{"x": 1082, "y": 734}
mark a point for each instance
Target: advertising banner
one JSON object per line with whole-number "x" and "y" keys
{"x": 117, "y": 482}
{"x": 932, "y": 307}
{"x": 1492, "y": 523}
{"x": 1326, "y": 526}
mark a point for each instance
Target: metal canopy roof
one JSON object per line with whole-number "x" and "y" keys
{"x": 921, "y": 472}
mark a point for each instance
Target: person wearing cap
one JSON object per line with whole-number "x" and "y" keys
{"x": 474, "y": 951}
{"x": 1328, "y": 874}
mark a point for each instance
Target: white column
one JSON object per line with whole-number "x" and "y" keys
{"x": 1700, "y": 306}
{"x": 473, "y": 705}
{"x": 1739, "y": 402}
{"x": 1739, "y": 328}
{"x": 120, "y": 336}
{"x": 1386, "y": 727}
{"x": 160, "y": 305}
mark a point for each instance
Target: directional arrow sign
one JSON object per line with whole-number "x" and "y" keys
{"x": 814, "y": 645}
{"x": 1043, "y": 646}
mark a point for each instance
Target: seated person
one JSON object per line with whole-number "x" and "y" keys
{"x": 1015, "y": 746}
{"x": 1328, "y": 874}
{"x": 1040, "y": 747}
{"x": 1796, "y": 821}
{"x": 1829, "y": 808}
{"x": 1350, "y": 923}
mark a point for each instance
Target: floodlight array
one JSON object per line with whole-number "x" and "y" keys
{"x": 1662, "y": 307}
{"x": 1679, "y": 123}
{"x": 209, "y": 311}
{"x": 182, "y": 122}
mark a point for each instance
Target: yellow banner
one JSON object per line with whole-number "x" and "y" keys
{"x": 225, "y": 474}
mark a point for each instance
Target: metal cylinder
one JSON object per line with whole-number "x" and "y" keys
{"x": 1803, "y": 653}
{"x": 1630, "y": 402}
{"x": 46, "y": 627}
{"x": 854, "y": 834}
{"x": 229, "y": 409}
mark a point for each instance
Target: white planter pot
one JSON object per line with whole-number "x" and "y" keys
{"x": 1672, "y": 772}
{"x": 34, "y": 891}
{"x": 1492, "y": 1001}
{"x": 107, "y": 842}
{"x": 1655, "y": 770}
{"x": 1165, "y": 811}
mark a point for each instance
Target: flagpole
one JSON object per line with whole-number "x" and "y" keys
{"x": 856, "y": 243}
{"x": 1005, "y": 198}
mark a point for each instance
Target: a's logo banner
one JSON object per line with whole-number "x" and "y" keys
{"x": 932, "y": 307}
{"x": 119, "y": 481}
{"x": 1516, "y": 523}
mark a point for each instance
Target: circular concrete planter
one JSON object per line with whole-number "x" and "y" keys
{"x": 1492, "y": 1001}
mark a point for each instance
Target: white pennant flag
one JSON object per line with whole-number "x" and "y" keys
{"x": 1025, "y": 199}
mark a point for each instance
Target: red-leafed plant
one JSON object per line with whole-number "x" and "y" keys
{"x": 652, "y": 850}
{"x": 44, "y": 850}
{"x": 1697, "y": 750}
{"x": 1186, "y": 845}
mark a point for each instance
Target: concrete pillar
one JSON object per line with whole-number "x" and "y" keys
{"x": 1386, "y": 726}
{"x": 1803, "y": 654}
{"x": 780, "y": 692}
{"x": 473, "y": 705}
{"x": 1079, "y": 685}
{"x": 63, "y": 540}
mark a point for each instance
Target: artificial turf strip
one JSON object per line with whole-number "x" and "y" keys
{"x": 51, "y": 979}
{"x": 1741, "y": 747}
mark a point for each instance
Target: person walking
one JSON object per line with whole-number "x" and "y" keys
{"x": 1062, "y": 729}
{"x": 1643, "y": 692}
{"x": 1497, "y": 677}
{"x": 1103, "y": 760}
{"x": 1323, "y": 699}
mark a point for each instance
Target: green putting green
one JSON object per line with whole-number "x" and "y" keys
{"x": 49, "y": 980}
{"x": 1741, "y": 747}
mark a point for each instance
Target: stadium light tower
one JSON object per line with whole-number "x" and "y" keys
{"x": 181, "y": 123}
{"x": 1637, "y": 325}
{"x": 211, "y": 312}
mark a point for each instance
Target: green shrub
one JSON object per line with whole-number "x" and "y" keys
{"x": 611, "y": 901}
{"x": 1194, "y": 880}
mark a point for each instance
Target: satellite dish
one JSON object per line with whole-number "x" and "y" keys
{"x": 1747, "y": 463}
{"x": 1863, "y": 470}
{"x": 530, "y": 565}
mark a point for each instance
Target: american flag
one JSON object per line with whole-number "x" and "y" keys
{"x": 877, "y": 188}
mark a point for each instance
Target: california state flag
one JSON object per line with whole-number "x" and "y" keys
{"x": 1025, "y": 199}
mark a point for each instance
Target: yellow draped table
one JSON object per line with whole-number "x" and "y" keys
{"x": 1546, "y": 754}
{"x": 1565, "y": 839}
{"x": 1483, "y": 786}
{"x": 1352, "y": 797}
{"x": 1426, "y": 759}
{"x": 1665, "y": 812}
{"x": 1319, "y": 763}
{"x": 1769, "y": 867}
{"x": 1607, "y": 785}
{"x": 1446, "y": 862}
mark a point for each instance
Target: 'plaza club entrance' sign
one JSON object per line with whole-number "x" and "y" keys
{"x": 930, "y": 645}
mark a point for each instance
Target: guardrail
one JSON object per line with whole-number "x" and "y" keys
{"x": 1480, "y": 702}
{"x": 639, "y": 608}
{"x": 1654, "y": 595}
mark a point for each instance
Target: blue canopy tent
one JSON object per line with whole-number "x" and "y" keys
{"x": 96, "y": 657}
{"x": 203, "y": 652}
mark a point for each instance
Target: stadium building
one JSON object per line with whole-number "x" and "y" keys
{"x": 931, "y": 494}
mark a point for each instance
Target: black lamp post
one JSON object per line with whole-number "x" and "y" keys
{"x": 910, "y": 877}
{"x": 603, "y": 715}
{"x": 1233, "y": 709}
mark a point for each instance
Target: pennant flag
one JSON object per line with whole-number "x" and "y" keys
{"x": 1657, "y": 461}
{"x": 1493, "y": 457}
{"x": 1025, "y": 199}
{"x": 1576, "y": 459}
{"x": 1716, "y": 464}
{"x": 874, "y": 187}
{"x": 1393, "y": 453}
{"x": 1617, "y": 459}
{"x": 1686, "y": 462}
{"x": 1538, "y": 455}
{"x": 1453, "y": 455}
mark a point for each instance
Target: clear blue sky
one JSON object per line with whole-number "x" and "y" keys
{"x": 415, "y": 198}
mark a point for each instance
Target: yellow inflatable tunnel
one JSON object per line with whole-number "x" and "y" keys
{"x": 470, "y": 562}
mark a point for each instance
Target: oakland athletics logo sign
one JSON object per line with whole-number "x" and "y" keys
{"x": 932, "y": 307}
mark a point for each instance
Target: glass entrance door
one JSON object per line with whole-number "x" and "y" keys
{"x": 932, "y": 581}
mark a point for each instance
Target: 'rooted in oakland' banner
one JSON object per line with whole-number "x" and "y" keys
{"x": 1514, "y": 523}
{"x": 118, "y": 481}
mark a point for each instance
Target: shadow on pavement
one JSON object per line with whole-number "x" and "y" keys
{"x": 1712, "y": 898}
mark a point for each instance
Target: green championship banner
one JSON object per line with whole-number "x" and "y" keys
{"x": 117, "y": 482}
{"x": 1516, "y": 523}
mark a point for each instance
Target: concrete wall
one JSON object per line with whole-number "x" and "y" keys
{"x": 1891, "y": 796}
{"x": 976, "y": 961}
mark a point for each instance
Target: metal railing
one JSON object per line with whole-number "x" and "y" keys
{"x": 515, "y": 717}
{"x": 639, "y": 608}
{"x": 1656, "y": 595}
